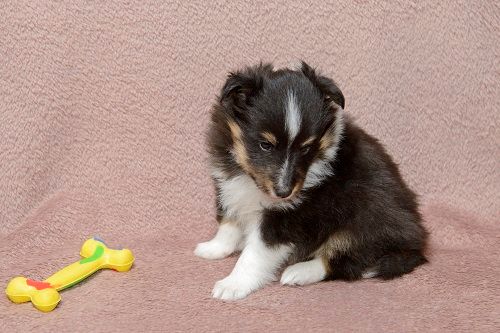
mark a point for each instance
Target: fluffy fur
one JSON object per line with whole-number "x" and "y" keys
{"x": 299, "y": 183}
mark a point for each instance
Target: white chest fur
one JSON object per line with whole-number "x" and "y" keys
{"x": 241, "y": 199}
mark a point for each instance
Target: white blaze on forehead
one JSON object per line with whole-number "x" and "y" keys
{"x": 293, "y": 117}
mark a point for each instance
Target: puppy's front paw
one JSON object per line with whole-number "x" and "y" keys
{"x": 212, "y": 250}
{"x": 232, "y": 288}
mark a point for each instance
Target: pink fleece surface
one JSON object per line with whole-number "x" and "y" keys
{"x": 103, "y": 110}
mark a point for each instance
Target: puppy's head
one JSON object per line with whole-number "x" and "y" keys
{"x": 284, "y": 126}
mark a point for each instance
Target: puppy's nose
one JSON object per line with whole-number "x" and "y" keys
{"x": 283, "y": 192}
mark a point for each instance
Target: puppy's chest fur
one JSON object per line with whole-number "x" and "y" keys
{"x": 242, "y": 201}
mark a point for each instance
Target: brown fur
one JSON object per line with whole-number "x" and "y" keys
{"x": 269, "y": 137}
{"x": 308, "y": 141}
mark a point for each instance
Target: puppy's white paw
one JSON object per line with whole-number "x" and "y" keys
{"x": 304, "y": 273}
{"x": 231, "y": 288}
{"x": 212, "y": 250}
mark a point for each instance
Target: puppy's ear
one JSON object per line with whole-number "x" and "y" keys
{"x": 330, "y": 90}
{"x": 242, "y": 86}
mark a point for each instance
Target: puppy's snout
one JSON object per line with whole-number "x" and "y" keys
{"x": 283, "y": 192}
{"x": 286, "y": 182}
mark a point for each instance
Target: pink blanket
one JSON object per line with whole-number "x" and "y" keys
{"x": 103, "y": 108}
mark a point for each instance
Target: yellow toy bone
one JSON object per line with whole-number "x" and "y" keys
{"x": 45, "y": 294}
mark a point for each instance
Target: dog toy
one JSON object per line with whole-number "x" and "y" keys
{"x": 45, "y": 294}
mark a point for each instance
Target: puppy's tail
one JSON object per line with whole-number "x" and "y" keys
{"x": 393, "y": 265}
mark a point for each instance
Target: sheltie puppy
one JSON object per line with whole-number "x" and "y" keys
{"x": 299, "y": 184}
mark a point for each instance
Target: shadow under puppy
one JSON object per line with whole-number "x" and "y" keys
{"x": 298, "y": 183}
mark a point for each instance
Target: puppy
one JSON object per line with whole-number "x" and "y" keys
{"x": 298, "y": 183}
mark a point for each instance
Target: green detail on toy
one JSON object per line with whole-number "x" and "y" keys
{"x": 99, "y": 250}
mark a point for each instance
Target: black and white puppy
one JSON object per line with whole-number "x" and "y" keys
{"x": 298, "y": 183}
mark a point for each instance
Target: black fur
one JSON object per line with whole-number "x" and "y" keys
{"x": 365, "y": 196}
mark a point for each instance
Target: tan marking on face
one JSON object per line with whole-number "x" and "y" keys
{"x": 308, "y": 141}
{"x": 339, "y": 243}
{"x": 269, "y": 137}
{"x": 239, "y": 148}
{"x": 300, "y": 182}
{"x": 298, "y": 186}
{"x": 235, "y": 130}
{"x": 326, "y": 141}
{"x": 267, "y": 183}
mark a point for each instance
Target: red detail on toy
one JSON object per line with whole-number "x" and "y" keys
{"x": 39, "y": 285}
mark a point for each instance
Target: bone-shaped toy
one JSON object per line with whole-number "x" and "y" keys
{"x": 45, "y": 294}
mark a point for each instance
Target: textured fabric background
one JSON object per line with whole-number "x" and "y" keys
{"x": 103, "y": 110}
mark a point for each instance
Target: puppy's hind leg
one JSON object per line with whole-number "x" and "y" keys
{"x": 307, "y": 272}
{"x": 226, "y": 241}
{"x": 323, "y": 264}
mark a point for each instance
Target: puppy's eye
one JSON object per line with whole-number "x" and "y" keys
{"x": 266, "y": 146}
{"x": 305, "y": 149}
